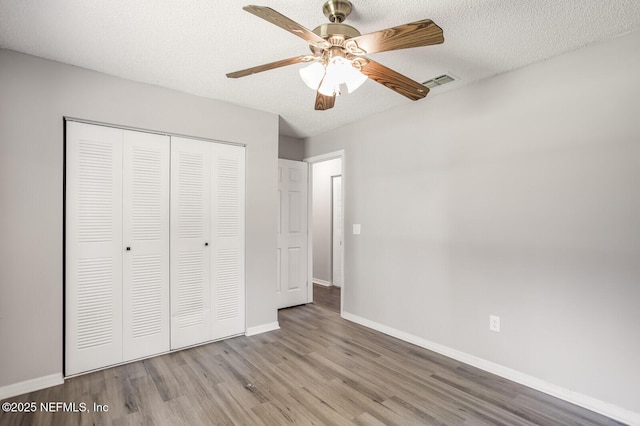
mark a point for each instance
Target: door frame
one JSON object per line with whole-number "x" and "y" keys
{"x": 335, "y": 226}
{"x": 312, "y": 160}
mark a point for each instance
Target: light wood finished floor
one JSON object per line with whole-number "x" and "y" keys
{"x": 317, "y": 369}
{"x": 327, "y": 297}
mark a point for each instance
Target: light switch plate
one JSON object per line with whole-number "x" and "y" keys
{"x": 356, "y": 229}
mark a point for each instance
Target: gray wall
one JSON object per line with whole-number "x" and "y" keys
{"x": 517, "y": 196}
{"x": 290, "y": 148}
{"x": 322, "y": 218}
{"x": 35, "y": 94}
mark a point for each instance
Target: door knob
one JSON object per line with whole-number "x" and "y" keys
{"x": 128, "y": 248}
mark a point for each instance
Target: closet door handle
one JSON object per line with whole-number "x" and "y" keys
{"x": 206, "y": 244}
{"x": 128, "y": 248}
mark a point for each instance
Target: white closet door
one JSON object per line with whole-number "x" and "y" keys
{"x": 292, "y": 233}
{"x": 190, "y": 215}
{"x": 145, "y": 300}
{"x": 227, "y": 232}
{"x": 93, "y": 247}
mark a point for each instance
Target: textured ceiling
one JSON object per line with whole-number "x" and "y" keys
{"x": 190, "y": 45}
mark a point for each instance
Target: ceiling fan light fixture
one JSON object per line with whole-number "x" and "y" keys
{"x": 312, "y": 75}
{"x": 354, "y": 79}
{"x": 328, "y": 78}
{"x": 329, "y": 88}
{"x": 337, "y": 63}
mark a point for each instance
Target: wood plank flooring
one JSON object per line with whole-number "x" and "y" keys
{"x": 318, "y": 369}
{"x": 327, "y": 297}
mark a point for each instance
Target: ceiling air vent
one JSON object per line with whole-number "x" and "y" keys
{"x": 438, "y": 81}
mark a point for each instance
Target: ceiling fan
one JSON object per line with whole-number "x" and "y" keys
{"x": 338, "y": 50}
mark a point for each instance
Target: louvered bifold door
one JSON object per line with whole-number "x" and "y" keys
{"x": 145, "y": 302}
{"x": 190, "y": 215}
{"x": 227, "y": 231}
{"x": 93, "y": 241}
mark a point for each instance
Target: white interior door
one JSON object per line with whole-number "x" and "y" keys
{"x": 292, "y": 233}
{"x": 190, "y": 263}
{"x": 93, "y": 273}
{"x": 145, "y": 302}
{"x": 336, "y": 224}
{"x": 227, "y": 242}
{"x": 207, "y": 241}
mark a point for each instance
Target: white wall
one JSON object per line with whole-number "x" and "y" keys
{"x": 35, "y": 94}
{"x": 290, "y": 148}
{"x": 322, "y": 218}
{"x": 517, "y": 196}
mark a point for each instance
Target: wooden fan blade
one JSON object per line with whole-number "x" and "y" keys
{"x": 283, "y": 22}
{"x": 394, "y": 80}
{"x": 324, "y": 102}
{"x": 414, "y": 34}
{"x": 270, "y": 66}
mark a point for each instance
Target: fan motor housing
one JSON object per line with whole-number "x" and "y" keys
{"x": 327, "y": 30}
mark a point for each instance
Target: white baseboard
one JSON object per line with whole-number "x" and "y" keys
{"x": 321, "y": 282}
{"x": 252, "y": 331}
{"x": 31, "y": 385}
{"x": 590, "y": 403}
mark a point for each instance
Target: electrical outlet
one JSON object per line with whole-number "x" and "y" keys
{"x": 494, "y": 323}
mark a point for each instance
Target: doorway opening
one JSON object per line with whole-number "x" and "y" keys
{"x": 326, "y": 220}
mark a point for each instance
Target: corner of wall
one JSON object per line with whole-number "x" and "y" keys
{"x": 264, "y": 328}
{"x": 31, "y": 385}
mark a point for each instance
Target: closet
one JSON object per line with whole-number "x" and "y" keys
{"x": 154, "y": 244}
